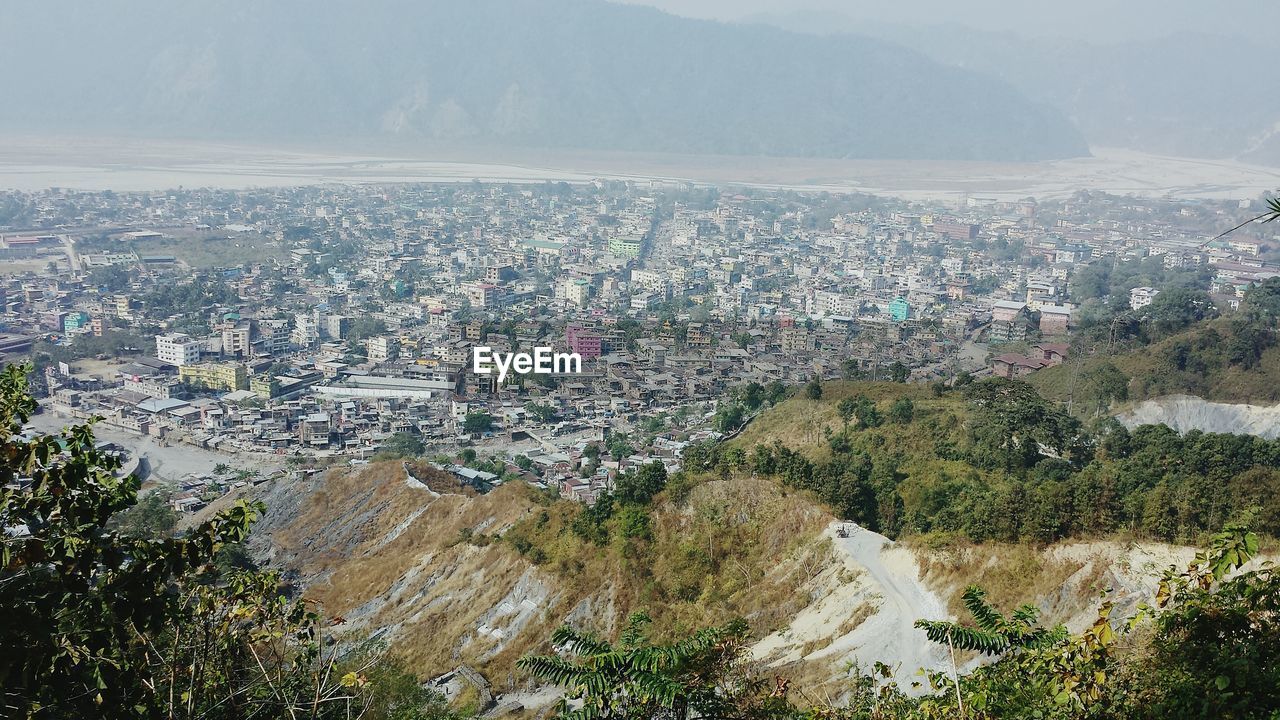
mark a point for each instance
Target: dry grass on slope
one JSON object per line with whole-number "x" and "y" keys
{"x": 431, "y": 576}
{"x": 736, "y": 548}
{"x": 385, "y": 555}
{"x": 1065, "y": 580}
{"x": 798, "y": 422}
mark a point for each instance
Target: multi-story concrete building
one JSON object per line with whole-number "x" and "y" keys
{"x": 498, "y": 273}
{"x": 899, "y": 309}
{"x": 314, "y": 430}
{"x": 628, "y": 247}
{"x": 586, "y": 343}
{"x": 485, "y": 295}
{"x": 455, "y": 352}
{"x": 236, "y": 340}
{"x": 643, "y": 301}
{"x": 652, "y": 281}
{"x": 74, "y": 321}
{"x": 152, "y": 386}
{"x": 273, "y": 336}
{"x": 178, "y": 349}
{"x": 216, "y": 376}
{"x": 1141, "y": 297}
{"x": 698, "y": 335}
{"x": 123, "y": 307}
{"x": 383, "y": 348}
{"x": 334, "y": 327}
{"x": 1009, "y": 322}
{"x": 576, "y": 291}
{"x": 1054, "y": 319}
{"x": 306, "y": 331}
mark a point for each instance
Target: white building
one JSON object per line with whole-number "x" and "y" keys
{"x": 575, "y": 291}
{"x": 235, "y": 340}
{"x": 651, "y": 281}
{"x": 306, "y": 331}
{"x": 1141, "y": 297}
{"x": 178, "y": 349}
{"x": 1246, "y": 247}
{"x": 383, "y": 348}
{"x": 643, "y": 301}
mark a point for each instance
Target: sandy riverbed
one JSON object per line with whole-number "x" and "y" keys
{"x": 32, "y": 163}
{"x": 166, "y": 462}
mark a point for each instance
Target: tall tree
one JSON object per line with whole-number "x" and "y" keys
{"x": 103, "y": 623}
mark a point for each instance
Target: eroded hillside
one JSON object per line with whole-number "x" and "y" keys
{"x": 989, "y": 485}
{"x": 447, "y": 578}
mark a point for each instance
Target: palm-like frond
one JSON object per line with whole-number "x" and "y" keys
{"x": 1026, "y": 615}
{"x": 554, "y": 669}
{"x": 634, "y": 635}
{"x": 994, "y": 633}
{"x": 639, "y": 679}
{"x": 1273, "y": 210}
{"x": 1271, "y": 215}
{"x": 987, "y": 617}
{"x": 963, "y": 638}
{"x": 578, "y": 642}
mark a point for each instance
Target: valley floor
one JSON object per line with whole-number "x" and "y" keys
{"x": 29, "y": 163}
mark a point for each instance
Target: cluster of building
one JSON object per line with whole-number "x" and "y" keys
{"x": 362, "y": 320}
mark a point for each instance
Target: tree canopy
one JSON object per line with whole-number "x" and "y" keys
{"x": 119, "y": 618}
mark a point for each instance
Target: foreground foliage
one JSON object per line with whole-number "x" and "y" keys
{"x": 113, "y": 618}
{"x": 699, "y": 676}
{"x": 1206, "y": 646}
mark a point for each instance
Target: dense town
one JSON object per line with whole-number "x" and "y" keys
{"x": 340, "y": 323}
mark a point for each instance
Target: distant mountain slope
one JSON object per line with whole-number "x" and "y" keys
{"x": 1189, "y": 94}
{"x": 554, "y": 73}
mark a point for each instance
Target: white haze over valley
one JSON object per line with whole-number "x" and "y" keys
{"x": 141, "y": 165}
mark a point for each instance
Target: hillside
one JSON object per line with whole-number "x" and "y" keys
{"x": 751, "y": 530}
{"x": 427, "y": 574}
{"x": 1193, "y": 362}
{"x": 995, "y": 461}
{"x": 1189, "y": 94}
{"x": 128, "y": 620}
{"x": 582, "y": 74}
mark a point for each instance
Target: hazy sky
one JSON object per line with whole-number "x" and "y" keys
{"x": 1102, "y": 20}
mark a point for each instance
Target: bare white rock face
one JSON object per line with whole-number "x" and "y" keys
{"x": 1187, "y": 412}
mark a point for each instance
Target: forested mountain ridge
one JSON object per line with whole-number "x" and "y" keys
{"x": 583, "y": 74}
{"x": 1182, "y": 343}
{"x": 995, "y": 461}
{"x": 1182, "y": 94}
